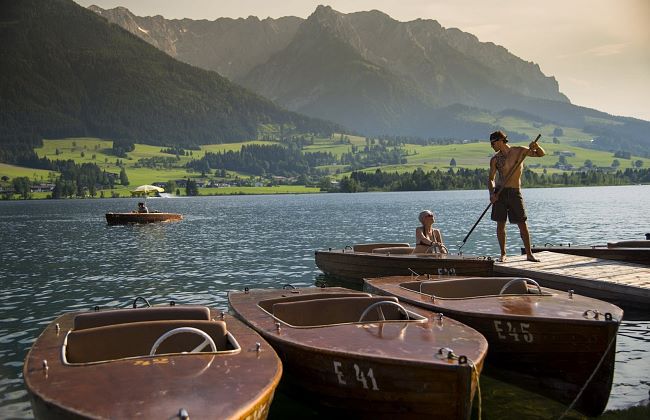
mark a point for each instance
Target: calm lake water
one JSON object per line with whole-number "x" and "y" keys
{"x": 59, "y": 255}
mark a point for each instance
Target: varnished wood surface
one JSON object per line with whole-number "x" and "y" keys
{"x": 636, "y": 254}
{"x": 354, "y": 266}
{"x": 126, "y": 218}
{"x": 547, "y": 338}
{"x": 551, "y": 305}
{"x": 626, "y": 284}
{"x": 410, "y": 379}
{"x": 219, "y": 386}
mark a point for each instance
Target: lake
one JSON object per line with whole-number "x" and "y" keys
{"x": 59, "y": 255}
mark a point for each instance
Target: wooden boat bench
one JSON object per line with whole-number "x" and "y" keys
{"x": 629, "y": 244}
{"x": 472, "y": 287}
{"x": 123, "y": 316}
{"x": 394, "y": 250}
{"x": 338, "y": 310}
{"x": 134, "y": 339}
{"x": 267, "y": 304}
{"x": 371, "y": 247}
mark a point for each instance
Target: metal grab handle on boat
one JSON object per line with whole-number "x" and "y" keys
{"x": 378, "y": 305}
{"x": 146, "y": 302}
{"x": 433, "y": 297}
{"x": 192, "y": 330}
{"x": 526, "y": 281}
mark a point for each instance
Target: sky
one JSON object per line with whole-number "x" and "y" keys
{"x": 598, "y": 50}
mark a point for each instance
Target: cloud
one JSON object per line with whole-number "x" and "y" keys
{"x": 605, "y": 50}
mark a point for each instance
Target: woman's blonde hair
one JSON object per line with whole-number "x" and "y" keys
{"x": 424, "y": 214}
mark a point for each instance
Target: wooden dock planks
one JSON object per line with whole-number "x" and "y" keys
{"x": 615, "y": 281}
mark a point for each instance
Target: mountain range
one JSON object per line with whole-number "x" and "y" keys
{"x": 364, "y": 70}
{"x": 65, "y": 71}
{"x": 376, "y": 75}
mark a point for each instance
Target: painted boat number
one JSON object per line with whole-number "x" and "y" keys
{"x": 513, "y": 330}
{"x": 367, "y": 379}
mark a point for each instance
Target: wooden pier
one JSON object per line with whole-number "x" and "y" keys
{"x": 622, "y": 283}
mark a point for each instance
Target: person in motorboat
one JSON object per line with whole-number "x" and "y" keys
{"x": 142, "y": 208}
{"x": 428, "y": 239}
{"x": 505, "y": 194}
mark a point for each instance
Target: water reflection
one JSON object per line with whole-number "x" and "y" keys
{"x": 60, "y": 255}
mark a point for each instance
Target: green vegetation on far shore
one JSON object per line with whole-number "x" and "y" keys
{"x": 147, "y": 164}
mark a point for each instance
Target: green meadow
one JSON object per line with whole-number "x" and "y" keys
{"x": 38, "y": 175}
{"x": 469, "y": 155}
{"x": 477, "y": 156}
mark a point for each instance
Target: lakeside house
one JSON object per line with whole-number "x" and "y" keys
{"x": 564, "y": 153}
{"x": 43, "y": 187}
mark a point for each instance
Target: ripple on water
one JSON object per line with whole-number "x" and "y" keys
{"x": 59, "y": 255}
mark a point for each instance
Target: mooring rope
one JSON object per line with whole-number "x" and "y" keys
{"x": 600, "y": 362}
{"x": 478, "y": 386}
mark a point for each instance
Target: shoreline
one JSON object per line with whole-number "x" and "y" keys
{"x": 299, "y": 190}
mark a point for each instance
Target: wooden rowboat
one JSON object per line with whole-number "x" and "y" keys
{"x": 134, "y": 217}
{"x": 552, "y": 340}
{"x": 100, "y": 365}
{"x": 350, "y": 350}
{"x": 637, "y": 252}
{"x": 392, "y": 259}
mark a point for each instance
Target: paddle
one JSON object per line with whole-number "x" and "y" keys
{"x": 497, "y": 191}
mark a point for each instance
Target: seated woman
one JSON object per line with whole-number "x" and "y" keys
{"x": 142, "y": 208}
{"x": 428, "y": 239}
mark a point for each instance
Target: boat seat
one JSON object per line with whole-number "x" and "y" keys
{"x": 370, "y": 247}
{"x": 267, "y": 305}
{"x": 123, "y": 316}
{"x": 330, "y": 311}
{"x": 629, "y": 244}
{"x": 464, "y": 288}
{"x": 394, "y": 250}
{"x": 135, "y": 339}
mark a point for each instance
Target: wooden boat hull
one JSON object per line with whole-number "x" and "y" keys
{"x": 636, "y": 255}
{"x": 545, "y": 342}
{"x": 234, "y": 385}
{"x": 371, "y": 369}
{"x": 353, "y": 266}
{"x": 140, "y": 218}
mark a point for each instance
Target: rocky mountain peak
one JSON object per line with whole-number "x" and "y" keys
{"x": 391, "y": 61}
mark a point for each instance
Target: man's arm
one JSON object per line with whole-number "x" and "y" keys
{"x": 535, "y": 150}
{"x": 491, "y": 178}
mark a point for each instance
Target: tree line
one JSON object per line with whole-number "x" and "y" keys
{"x": 466, "y": 179}
{"x": 262, "y": 160}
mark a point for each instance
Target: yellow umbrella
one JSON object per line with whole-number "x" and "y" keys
{"x": 145, "y": 189}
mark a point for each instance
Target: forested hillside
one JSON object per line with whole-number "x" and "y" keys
{"x": 64, "y": 71}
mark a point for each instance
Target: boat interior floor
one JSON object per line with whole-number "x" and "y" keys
{"x": 317, "y": 310}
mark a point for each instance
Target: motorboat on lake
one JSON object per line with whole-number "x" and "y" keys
{"x": 142, "y": 214}
{"x": 367, "y": 355}
{"x": 153, "y": 362}
{"x": 353, "y": 263}
{"x": 552, "y": 341}
{"x": 139, "y": 218}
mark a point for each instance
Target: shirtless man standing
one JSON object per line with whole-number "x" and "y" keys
{"x": 506, "y": 199}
